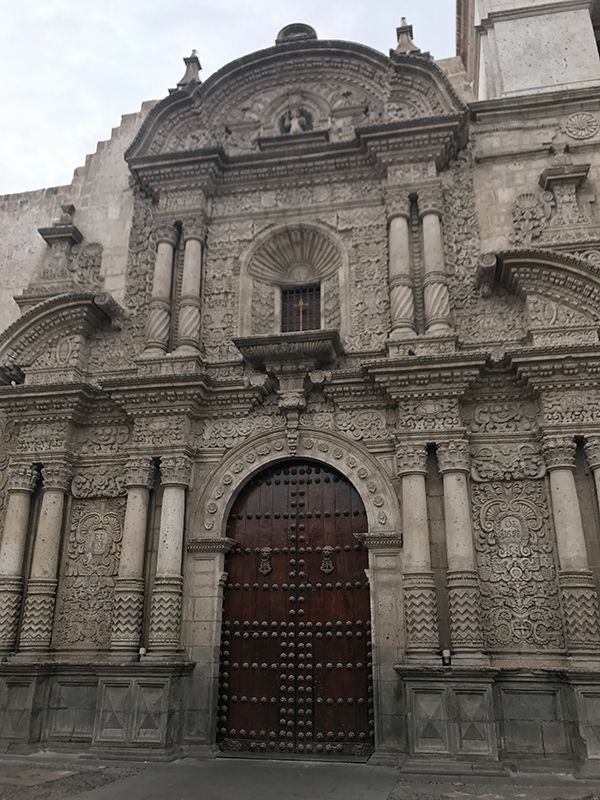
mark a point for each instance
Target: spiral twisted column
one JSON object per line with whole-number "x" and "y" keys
{"x": 466, "y": 633}
{"x": 38, "y": 614}
{"x": 159, "y": 315}
{"x": 579, "y": 597}
{"x": 22, "y": 480}
{"x": 165, "y": 615}
{"x": 129, "y": 589}
{"x": 420, "y": 604}
{"x": 402, "y": 303}
{"x": 435, "y": 288}
{"x": 188, "y": 332}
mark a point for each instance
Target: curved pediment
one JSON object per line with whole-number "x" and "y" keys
{"x": 49, "y": 337}
{"x": 306, "y": 90}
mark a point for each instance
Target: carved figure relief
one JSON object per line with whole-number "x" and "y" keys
{"x": 517, "y": 572}
{"x": 86, "y": 590}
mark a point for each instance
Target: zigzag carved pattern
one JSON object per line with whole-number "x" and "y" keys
{"x": 581, "y": 616}
{"x": 10, "y": 604}
{"x": 465, "y": 622}
{"x": 165, "y": 619}
{"x": 127, "y": 618}
{"x": 421, "y": 617}
{"x": 36, "y": 628}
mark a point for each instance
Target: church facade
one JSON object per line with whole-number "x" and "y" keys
{"x": 300, "y": 411}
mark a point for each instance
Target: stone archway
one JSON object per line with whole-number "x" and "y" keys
{"x": 205, "y": 574}
{"x": 295, "y": 671}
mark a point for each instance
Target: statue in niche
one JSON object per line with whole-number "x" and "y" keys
{"x": 296, "y": 120}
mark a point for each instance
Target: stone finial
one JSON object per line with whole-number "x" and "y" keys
{"x": 295, "y": 32}
{"x": 405, "y": 39}
{"x": 192, "y": 71}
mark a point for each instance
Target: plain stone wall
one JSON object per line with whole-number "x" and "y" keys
{"x": 104, "y": 201}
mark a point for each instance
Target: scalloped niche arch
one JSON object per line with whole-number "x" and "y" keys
{"x": 294, "y": 254}
{"x": 209, "y": 514}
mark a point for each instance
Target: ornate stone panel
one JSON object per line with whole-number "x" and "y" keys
{"x": 369, "y": 293}
{"x": 86, "y": 589}
{"x": 517, "y": 571}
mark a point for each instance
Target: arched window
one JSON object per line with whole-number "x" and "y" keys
{"x": 293, "y": 279}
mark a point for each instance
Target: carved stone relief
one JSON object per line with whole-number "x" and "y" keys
{"x": 84, "y": 616}
{"x": 369, "y": 294}
{"x": 517, "y": 572}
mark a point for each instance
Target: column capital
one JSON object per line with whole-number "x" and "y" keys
{"x": 411, "y": 459}
{"x": 592, "y": 451}
{"x": 175, "y": 470}
{"x": 559, "y": 452}
{"x": 454, "y": 456}
{"x": 22, "y": 478}
{"x": 195, "y": 228}
{"x": 139, "y": 471}
{"x": 56, "y": 476}
{"x": 430, "y": 200}
{"x": 397, "y": 201}
{"x": 166, "y": 232}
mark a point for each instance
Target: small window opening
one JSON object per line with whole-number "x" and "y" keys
{"x": 301, "y": 308}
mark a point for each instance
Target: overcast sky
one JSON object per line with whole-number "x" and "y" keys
{"x": 69, "y": 70}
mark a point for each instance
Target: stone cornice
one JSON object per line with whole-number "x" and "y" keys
{"x": 72, "y": 402}
{"x": 557, "y": 367}
{"x": 216, "y": 545}
{"x": 541, "y": 104}
{"x": 428, "y": 376}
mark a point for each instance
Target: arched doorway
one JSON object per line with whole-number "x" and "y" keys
{"x": 295, "y": 673}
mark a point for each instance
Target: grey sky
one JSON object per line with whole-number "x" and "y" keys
{"x": 70, "y": 70}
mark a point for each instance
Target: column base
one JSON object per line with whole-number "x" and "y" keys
{"x": 11, "y": 595}
{"x": 466, "y": 633}
{"x": 38, "y": 615}
{"x": 580, "y": 604}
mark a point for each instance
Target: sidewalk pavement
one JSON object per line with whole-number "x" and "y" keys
{"x": 56, "y": 777}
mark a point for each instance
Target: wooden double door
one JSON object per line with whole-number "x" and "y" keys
{"x": 295, "y": 672}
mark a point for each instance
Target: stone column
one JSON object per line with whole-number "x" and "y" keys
{"x": 402, "y": 303}
{"x": 579, "y": 598}
{"x": 36, "y": 626}
{"x": 437, "y": 301}
{"x": 165, "y": 616}
{"x": 129, "y": 589}
{"x": 463, "y": 586}
{"x": 420, "y": 606}
{"x": 21, "y": 484}
{"x": 159, "y": 316}
{"x": 188, "y": 332}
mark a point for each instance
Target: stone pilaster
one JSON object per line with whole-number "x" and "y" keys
{"x": 165, "y": 616}
{"x": 420, "y": 604}
{"x": 159, "y": 315}
{"x": 462, "y": 580}
{"x": 402, "y": 303}
{"x": 129, "y": 589}
{"x": 579, "y": 597}
{"x": 38, "y": 614}
{"x": 188, "y": 332}
{"x": 437, "y": 300}
{"x": 22, "y": 480}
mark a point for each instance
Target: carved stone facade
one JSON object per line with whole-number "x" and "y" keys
{"x": 450, "y": 374}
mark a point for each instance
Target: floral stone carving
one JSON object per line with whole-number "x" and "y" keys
{"x": 519, "y": 589}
